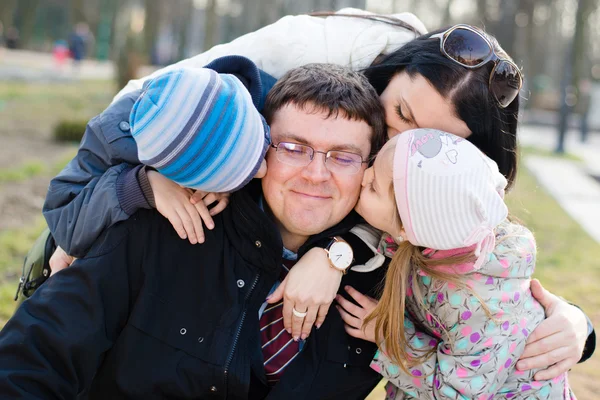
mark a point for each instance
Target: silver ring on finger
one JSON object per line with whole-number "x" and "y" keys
{"x": 299, "y": 314}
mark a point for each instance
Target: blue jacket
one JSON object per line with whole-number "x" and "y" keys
{"x": 100, "y": 186}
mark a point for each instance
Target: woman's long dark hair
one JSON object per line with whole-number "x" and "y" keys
{"x": 494, "y": 130}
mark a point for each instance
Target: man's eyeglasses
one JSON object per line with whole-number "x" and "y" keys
{"x": 471, "y": 49}
{"x": 300, "y": 155}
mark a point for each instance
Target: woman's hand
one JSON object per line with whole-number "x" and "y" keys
{"x": 558, "y": 342}
{"x": 60, "y": 260}
{"x": 175, "y": 203}
{"x": 310, "y": 286}
{"x": 354, "y": 315}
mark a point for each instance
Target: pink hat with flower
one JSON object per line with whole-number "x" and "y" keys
{"x": 449, "y": 194}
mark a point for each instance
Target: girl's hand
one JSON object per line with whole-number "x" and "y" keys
{"x": 558, "y": 342}
{"x": 309, "y": 287}
{"x": 60, "y": 260}
{"x": 174, "y": 203}
{"x": 354, "y": 315}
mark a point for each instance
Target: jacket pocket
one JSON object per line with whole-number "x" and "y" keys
{"x": 172, "y": 324}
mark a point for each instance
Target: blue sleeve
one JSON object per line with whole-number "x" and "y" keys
{"x": 97, "y": 189}
{"x": 55, "y": 342}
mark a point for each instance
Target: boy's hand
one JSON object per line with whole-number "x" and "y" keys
{"x": 60, "y": 260}
{"x": 202, "y": 200}
{"x": 174, "y": 203}
{"x": 354, "y": 315}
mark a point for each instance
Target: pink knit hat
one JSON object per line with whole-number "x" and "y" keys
{"x": 449, "y": 194}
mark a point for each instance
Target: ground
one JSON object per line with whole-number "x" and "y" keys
{"x": 568, "y": 261}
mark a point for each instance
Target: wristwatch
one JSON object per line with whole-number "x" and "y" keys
{"x": 340, "y": 254}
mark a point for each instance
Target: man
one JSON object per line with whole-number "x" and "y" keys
{"x": 147, "y": 315}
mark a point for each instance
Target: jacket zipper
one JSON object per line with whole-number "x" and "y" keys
{"x": 239, "y": 330}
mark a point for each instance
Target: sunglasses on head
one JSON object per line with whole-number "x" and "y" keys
{"x": 471, "y": 49}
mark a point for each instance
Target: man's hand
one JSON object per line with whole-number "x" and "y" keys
{"x": 60, "y": 260}
{"x": 175, "y": 203}
{"x": 309, "y": 287}
{"x": 354, "y": 315}
{"x": 558, "y": 342}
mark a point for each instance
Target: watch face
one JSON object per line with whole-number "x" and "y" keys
{"x": 340, "y": 254}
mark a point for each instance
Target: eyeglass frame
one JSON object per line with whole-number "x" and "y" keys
{"x": 312, "y": 156}
{"x": 491, "y": 57}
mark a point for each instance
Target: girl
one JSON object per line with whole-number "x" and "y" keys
{"x": 456, "y": 308}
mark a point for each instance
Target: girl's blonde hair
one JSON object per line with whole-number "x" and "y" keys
{"x": 389, "y": 314}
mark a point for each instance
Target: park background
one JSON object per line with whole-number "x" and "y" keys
{"x": 46, "y": 97}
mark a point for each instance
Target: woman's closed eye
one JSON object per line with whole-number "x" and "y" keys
{"x": 401, "y": 115}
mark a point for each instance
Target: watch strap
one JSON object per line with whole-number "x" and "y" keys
{"x": 362, "y": 252}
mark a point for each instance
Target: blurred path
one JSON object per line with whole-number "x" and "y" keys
{"x": 34, "y": 66}
{"x": 575, "y": 185}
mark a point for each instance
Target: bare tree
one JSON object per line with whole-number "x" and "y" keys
{"x": 28, "y": 12}
{"x": 338, "y": 4}
{"x": 7, "y": 12}
{"x": 482, "y": 13}
{"x": 573, "y": 70}
{"x": 186, "y": 16}
{"x": 447, "y": 20}
{"x": 271, "y": 12}
{"x": 527, "y": 53}
{"x": 151, "y": 25}
{"x": 210, "y": 24}
{"x": 77, "y": 11}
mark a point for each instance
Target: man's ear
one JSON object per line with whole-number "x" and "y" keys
{"x": 262, "y": 171}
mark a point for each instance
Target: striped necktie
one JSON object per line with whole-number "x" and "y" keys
{"x": 278, "y": 347}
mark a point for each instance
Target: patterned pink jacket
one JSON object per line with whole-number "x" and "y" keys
{"x": 475, "y": 356}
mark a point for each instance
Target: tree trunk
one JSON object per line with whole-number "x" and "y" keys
{"x": 580, "y": 41}
{"x": 186, "y": 21}
{"x": 77, "y": 13}
{"x": 210, "y": 24}
{"x": 507, "y": 29}
{"x": 105, "y": 29}
{"x": 572, "y": 74}
{"x": 447, "y": 13}
{"x": 531, "y": 68}
{"x": 117, "y": 6}
{"x": 271, "y": 12}
{"x": 151, "y": 25}
{"x": 482, "y": 13}
{"x": 28, "y": 14}
{"x": 8, "y": 9}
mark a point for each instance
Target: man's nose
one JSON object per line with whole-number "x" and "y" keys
{"x": 317, "y": 171}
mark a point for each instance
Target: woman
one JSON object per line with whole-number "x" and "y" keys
{"x": 420, "y": 86}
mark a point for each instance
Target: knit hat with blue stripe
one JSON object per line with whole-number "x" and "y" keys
{"x": 200, "y": 129}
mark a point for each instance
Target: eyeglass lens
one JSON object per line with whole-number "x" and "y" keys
{"x": 302, "y": 155}
{"x": 466, "y": 47}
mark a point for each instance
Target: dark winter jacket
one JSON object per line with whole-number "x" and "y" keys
{"x": 147, "y": 315}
